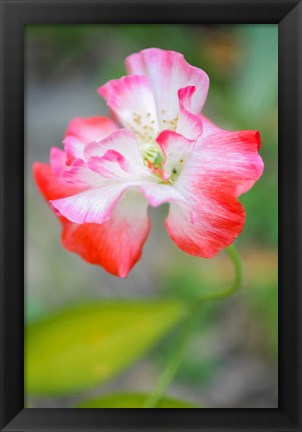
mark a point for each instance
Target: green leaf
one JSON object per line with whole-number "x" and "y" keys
{"x": 80, "y": 347}
{"x": 132, "y": 400}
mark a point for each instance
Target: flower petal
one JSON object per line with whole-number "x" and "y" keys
{"x": 168, "y": 71}
{"x": 108, "y": 174}
{"x": 221, "y": 167}
{"x": 131, "y": 99}
{"x": 113, "y": 165}
{"x": 96, "y": 205}
{"x": 218, "y": 220}
{"x": 57, "y": 160}
{"x": 50, "y": 185}
{"x": 116, "y": 244}
{"x": 122, "y": 141}
{"x": 158, "y": 194}
{"x": 82, "y": 131}
{"x": 233, "y": 156}
{"x": 80, "y": 174}
{"x": 175, "y": 148}
{"x": 90, "y": 206}
{"x": 189, "y": 125}
{"x": 208, "y": 127}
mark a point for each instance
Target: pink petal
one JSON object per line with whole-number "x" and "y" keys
{"x": 51, "y": 186}
{"x": 208, "y": 127}
{"x": 221, "y": 167}
{"x": 80, "y": 174}
{"x": 91, "y": 206}
{"x": 131, "y": 99}
{"x": 116, "y": 175}
{"x": 219, "y": 219}
{"x": 189, "y": 125}
{"x": 168, "y": 71}
{"x": 57, "y": 160}
{"x": 113, "y": 165}
{"x": 158, "y": 194}
{"x": 96, "y": 205}
{"x": 82, "y": 131}
{"x": 233, "y": 156}
{"x": 121, "y": 141}
{"x": 116, "y": 244}
{"x": 175, "y": 148}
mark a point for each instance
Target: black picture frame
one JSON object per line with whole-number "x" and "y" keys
{"x": 14, "y": 16}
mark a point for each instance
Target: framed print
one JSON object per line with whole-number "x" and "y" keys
{"x": 151, "y": 234}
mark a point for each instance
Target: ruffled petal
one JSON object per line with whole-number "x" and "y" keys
{"x": 208, "y": 127}
{"x": 96, "y": 205}
{"x": 50, "y": 185}
{"x": 175, "y": 148}
{"x": 218, "y": 220}
{"x": 57, "y": 160}
{"x": 113, "y": 165}
{"x": 81, "y": 131}
{"x": 158, "y": 194}
{"x": 222, "y": 166}
{"x": 117, "y": 244}
{"x": 168, "y": 72}
{"x": 90, "y": 206}
{"x": 131, "y": 99}
{"x": 122, "y": 141}
{"x": 80, "y": 174}
{"x": 107, "y": 175}
{"x": 231, "y": 155}
{"x": 189, "y": 124}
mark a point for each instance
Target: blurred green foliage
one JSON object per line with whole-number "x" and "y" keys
{"x": 80, "y": 347}
{"x": 132, "y": 400}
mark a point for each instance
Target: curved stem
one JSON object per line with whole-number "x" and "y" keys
{"x": 175, "y": 361}
{"x": 226, "y": 292}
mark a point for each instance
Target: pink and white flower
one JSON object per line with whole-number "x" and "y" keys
{"x": 101, "y": 184}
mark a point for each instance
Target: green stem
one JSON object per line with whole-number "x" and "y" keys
{"x": 226, "y": 292}
{"x": 175, "y": 361}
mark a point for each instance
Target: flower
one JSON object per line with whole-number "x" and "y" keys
{"x": 100, "y": 186}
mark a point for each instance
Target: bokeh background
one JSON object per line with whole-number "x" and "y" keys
{"x": 231, "y": 359}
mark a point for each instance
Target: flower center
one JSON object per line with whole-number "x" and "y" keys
{"x": 151, "y": 154}
{"x": 146, "y": 129}
{"x": 176, "y": 170}
{"x": 153, "y": 158}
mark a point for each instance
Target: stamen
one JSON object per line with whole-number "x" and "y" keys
{"x": 170, "y": 124}
{"x": 143, "y": 126}
{"x": 151, "y": 153}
